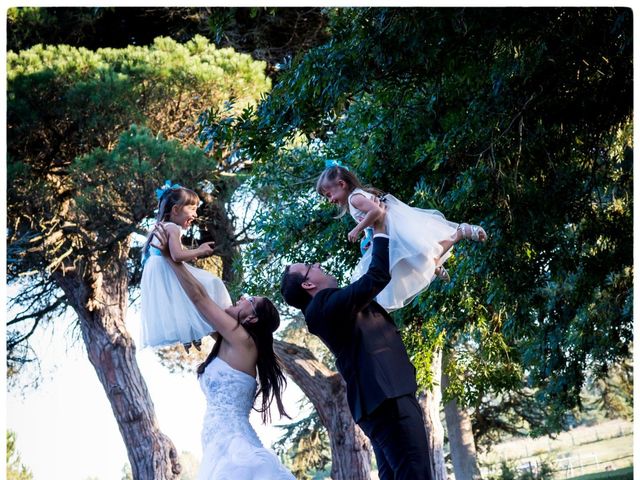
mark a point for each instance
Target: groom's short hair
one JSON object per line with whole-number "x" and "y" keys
{"x": 292, "y": 291}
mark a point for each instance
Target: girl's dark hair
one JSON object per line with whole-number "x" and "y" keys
{"x": 171, "y": 197}
{"x": 271, "y": 379}
{"x": 175, "y": 197}
{"x": 336, "y": 172}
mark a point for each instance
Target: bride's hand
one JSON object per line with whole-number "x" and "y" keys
{"x": 160, "y": 239}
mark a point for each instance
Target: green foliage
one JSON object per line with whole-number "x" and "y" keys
{"x": 95, "y": 94}
{"x": 15, "y": 469}
{"x": 27, "y": 26}
{"x": 274, "y": 34}
{"x": 518, "y": 119}
{"x": 422, "y": 339}
{"x": 98, "y": 27}
{"x": 126, "y": 472}
{"x": 112, "y": 186}
{"x": 305, "y": 445}
{"x": 609, "y": 396}
{"x": 619, "y": 474}
{"x": 509, "y": 472}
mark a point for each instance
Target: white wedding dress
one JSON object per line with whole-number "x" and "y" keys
{"x": 231, "y": 449}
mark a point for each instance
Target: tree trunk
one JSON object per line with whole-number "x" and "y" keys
{"x": 100, "y": 299}
{"x": 430, "y": 401}
{"x": 461, "y": 442}
{"x": 350, "y": 448}
{"x": 219, "y": 227}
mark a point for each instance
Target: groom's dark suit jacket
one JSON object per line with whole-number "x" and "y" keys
{"x": 369, "y": 351}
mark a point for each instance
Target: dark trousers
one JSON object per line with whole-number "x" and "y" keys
{"x": 399, "y": 440}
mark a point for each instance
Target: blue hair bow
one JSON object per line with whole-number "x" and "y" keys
{"x": 334, "y": 163}
{"x": 167, "y": 186}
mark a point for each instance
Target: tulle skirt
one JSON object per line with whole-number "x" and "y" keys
{"x": 167, "y": 314}
{"x": 235, "y": 458}
{"x": 414, "y": 251}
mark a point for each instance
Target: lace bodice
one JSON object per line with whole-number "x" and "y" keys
{"x": 230, "y": 394}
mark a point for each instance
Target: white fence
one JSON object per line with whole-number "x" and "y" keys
{"x": 569, "y": 453}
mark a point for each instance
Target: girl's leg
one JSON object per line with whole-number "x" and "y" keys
{"x": 441, "y": 272}
{"x": 471, "y": 232}
{"x": 450, "y": 242}
{"x": 466, "y": 231}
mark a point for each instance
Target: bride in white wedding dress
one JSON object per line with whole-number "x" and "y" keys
{"x": 231, "y": 449}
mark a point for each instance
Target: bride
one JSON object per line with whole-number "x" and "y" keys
{"x": 231, "y": 449}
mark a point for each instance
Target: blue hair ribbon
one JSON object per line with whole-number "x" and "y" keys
{"x": 167, "y": 186}
{"x": 334, "y": 163}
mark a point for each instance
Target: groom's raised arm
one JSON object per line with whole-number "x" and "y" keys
{"x": 362, "y": 292}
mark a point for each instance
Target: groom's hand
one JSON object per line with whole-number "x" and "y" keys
{"x": 379, "y": 225}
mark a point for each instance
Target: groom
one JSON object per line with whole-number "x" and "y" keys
{"x": 371, "y": 357}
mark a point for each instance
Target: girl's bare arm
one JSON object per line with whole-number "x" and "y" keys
{"x": 373, "y": 212}
{"x": 180, "y": 254}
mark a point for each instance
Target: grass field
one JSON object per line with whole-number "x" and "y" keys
{"x": 582, "y": 451}
{"x": 621, "y": 474}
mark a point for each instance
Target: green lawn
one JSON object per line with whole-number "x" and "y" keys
{"x": 621, "y": 474}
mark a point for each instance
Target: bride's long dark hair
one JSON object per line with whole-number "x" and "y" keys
{"x": 271, "y": 379}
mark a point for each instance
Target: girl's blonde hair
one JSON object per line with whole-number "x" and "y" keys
{"x": 171, "y": 197}
{"x": 335, "y": 173}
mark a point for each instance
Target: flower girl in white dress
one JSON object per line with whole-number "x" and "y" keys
{"x": 420, "y": 240}
{"x": 167, "y": 314}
